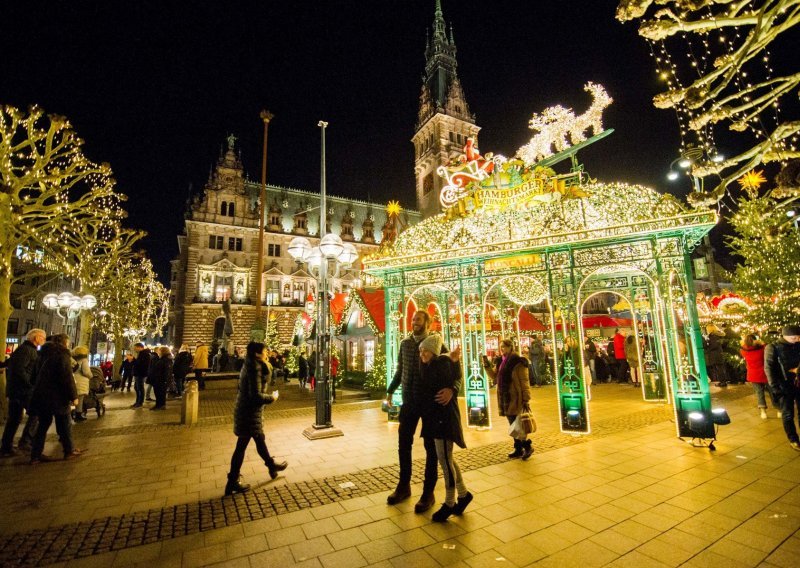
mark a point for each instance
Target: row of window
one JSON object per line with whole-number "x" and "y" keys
{"x": 218, "y": 243}
{"x": 228, "y": 209}
{"x": 13, "y": 327}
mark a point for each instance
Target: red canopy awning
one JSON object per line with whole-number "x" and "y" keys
{"x": 527, "y": 322}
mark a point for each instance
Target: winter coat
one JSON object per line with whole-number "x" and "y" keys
{"x": 407, "y": 372}
{"x": 302, "y": 367}
{"x": 181, "y": 365}
{"x": 126, "y": 369}
{"x": 201, "y": 358}
{"x": 21, "y": 372}
{"x": 247, "y": 419}
{"x": 513, "y": 386}
{"x": 82, "y": 374}
{"x": 55, "y": 387}
{"x": 161, "y": 371}
{"x": 619, "y": 346}
{"x": 440, "y": 421}
{"x": 780, "y": 364}
{"x": 141, "y": 365}
{"x": 631, "y": 354}
{"x": 754, "y": 361}
{"x": 712, "y": 349}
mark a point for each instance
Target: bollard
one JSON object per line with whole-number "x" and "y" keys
{"x": 190, "y": 404}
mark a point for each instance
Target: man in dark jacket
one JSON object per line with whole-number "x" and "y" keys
{"x": 141, "y": 366}
{"x": 780, "y": 364}
{"x": 21, "y": 366}
{"x": 52, "y": 396}
{"x": 408, "y": 375}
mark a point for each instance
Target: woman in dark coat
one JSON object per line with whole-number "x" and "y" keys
{"x": 442, "y": 422}
{"x": 180, "y": 368}
{"x": 52, "y": 396}
{"x": 247, "y": 419}
{"x": 159, "y": 376}
{"x": 715, "y": 356}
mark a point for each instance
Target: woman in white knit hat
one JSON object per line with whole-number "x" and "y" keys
{"x": 442, "y": 423}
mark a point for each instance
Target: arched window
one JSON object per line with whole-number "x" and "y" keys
{"x": 224, "y": 208}
{"x": 231, "y": 208}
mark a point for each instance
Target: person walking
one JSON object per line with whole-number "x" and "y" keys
{"x": 714, "y": 356}
{"x": 589, "y": 356}
{"x": 141, "y": 366}
{"x": 442, "y": 422}
{"x": 302, "y": 370}
{"x": 513, "y": 392}
{"x": 248, "y": 419}
{"x": 753, "y": 354}
{"x": 200, "y": 364}
{"x": 51, "y": 398}
{"x": 82, "y": 374}
{"x": 781, "y": 360}
{"x": 619, "y": 356}
{"x": 538, "y": 362}
{"x": 407, "y": 374}
{"x": 632, "y": 358}
{"x": 126, "y": 372}
{"x": 180, "y": 368}
{"x": 19, "y": 386}
{"x": 159, "y": 376}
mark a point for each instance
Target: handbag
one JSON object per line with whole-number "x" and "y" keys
{"x": 528, "y": 422}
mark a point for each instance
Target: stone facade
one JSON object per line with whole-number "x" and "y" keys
{"x": 218, "y": 253}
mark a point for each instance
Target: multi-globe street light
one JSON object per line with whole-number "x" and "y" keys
{"x": 324, "y": 263}
{"x": 68, "y": 301}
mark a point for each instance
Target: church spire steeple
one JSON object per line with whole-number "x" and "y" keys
{"x": 444, "y": 122}
{"x": 440, "y": 71}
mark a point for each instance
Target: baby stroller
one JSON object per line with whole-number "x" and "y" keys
{"x": 97, "y": 392}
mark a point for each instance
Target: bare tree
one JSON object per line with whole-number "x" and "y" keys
{"x": 56, "y": 206}
{"x": 132, "y": 302}
{"x": 724, "y": 76}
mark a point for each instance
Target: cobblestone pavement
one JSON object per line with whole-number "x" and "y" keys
{"x": 99, "y": 537}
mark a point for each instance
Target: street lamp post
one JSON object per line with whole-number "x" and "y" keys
{"x": 686, "y": 161}
{"x": 258, "y": 332}
{"x": 324, "y": 262}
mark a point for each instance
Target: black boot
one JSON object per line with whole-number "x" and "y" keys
{"x": 518, "y": 451}
{"x": 527, "y": 450}
{"x": 234, "y": 486}
{"x": 401, "y": 493}
{"x": 274, "y": 467}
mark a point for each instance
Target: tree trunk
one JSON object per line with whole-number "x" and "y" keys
{"x": 85, "y": 337}
{"x": 119, "y": 347}
{"x": 5, "y": 313}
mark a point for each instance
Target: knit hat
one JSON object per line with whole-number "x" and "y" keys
{"x": 791, "y": 330}
{"x": 432, "y": 343}
{"x": 81, "y": 350}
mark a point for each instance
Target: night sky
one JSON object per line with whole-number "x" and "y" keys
{"x": 154, "y": 87}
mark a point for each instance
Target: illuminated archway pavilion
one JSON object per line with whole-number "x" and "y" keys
{"x": 517, "y": 235}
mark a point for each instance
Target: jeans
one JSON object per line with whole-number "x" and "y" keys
{"x": 179, "y": 385}
{"x": 622, "y": 371}
{"x": 238, "y": 454}
{"x": 592, "y": 370}
{"x": 63, "y": 428}
{"x": 760, "y": 389}
{"x": 138, "y": 387}
{"x": 126, "y": 381}
{"x": 409, "y": 418}
{"x": 789, "y": 399}
{"x": 198, "y": 376}
{"x": 161, "y": 395}
{"x": 15, "y": 410}
{"x": 149, "y": 392}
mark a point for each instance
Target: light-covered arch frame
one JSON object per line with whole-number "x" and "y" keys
{"x": 645, "y": 258}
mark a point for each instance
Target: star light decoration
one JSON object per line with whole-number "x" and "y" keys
{"x": 752, "y": 181}
{"x": 393, "y": 208}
